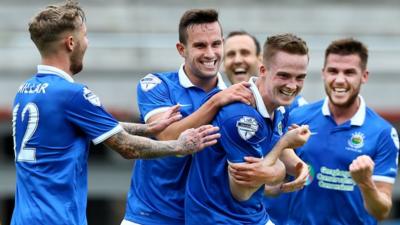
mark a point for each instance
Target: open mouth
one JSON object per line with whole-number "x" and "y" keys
{"x": 209, "y": 64}
{"x": 287, "y": 93}
{"x": 339, "y": 90}
{"x": 240, "y": 71}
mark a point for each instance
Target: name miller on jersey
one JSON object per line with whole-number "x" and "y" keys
{"x": 29, "y": 88}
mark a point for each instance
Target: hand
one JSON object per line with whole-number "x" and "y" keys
{"x": 298, "y": 183}
{"x": 236, "y": 93}
{"x": 361, "y": 170}
{"x": 193, "y": 140}
{"x": 163, "y": 121}
{"x": 255, "y": 172}
{"x": 297, "y": 136}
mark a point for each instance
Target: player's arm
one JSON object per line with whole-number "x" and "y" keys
{"x": 190, "y": 141}
{"x": 377, "y": 195}
{"x": 258, "y": 172}
{"x": 292, "y": 139}
{"x": 153, "y": 128}
{"x": 242, "y": 187}
{"x": 205, "y": 114}
{"x": 296, "y": 168}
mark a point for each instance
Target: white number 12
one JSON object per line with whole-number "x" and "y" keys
{"x": 26, "y": 154}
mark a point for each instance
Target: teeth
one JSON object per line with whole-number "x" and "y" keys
{"x": 209, "y": 64}
{"x": 288, "y": 93}
{"x": 340, "y": 90}
{"x": 240, "y": 70}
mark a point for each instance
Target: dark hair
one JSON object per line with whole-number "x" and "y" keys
{"x": 241, "y": 32}
{"x": 348, "y": 46}
{"x": 288, "y": 43}
{"x": 48, "y": 25}
{"x": 196, "y": 16}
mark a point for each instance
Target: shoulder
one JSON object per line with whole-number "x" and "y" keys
{"x": 152, "y": 80}
{"x": 376, "y": 122}
{"x": 306, "y": 111}
{"x": 237, "y": 109}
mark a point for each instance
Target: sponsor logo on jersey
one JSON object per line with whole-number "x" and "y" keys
{"x": 91, "y": 97}
{"x": 149, "y": 82}
{"x": 247, "y": 127}
{"x": 356, "y": 141}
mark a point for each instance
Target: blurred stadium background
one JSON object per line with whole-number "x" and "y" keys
{"x": 130, "y": 38}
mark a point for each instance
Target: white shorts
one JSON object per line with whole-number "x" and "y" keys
{"x": 126, "y": 222}
{"x": 269, "y": 223}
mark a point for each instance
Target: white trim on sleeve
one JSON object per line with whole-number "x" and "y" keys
{"x": 385, "y": 179}
{"x": 108, "y": 134}
{"x": 155, "y": 111}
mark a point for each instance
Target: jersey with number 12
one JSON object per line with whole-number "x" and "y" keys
{"x": 54, "y": 120}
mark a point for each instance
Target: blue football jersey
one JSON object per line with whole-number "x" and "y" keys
{"x": 331, "y": 196}
{"x": 245, "y": 131}
{"x": 157, "y": 190}
{"x": 54, "y": 120}
{"x": 277, "y": 206}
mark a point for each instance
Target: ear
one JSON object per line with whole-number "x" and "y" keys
{"x": 181, "y": 49}
{"x": 323, "y": 73}
{"x": 69, "y": 43}
{"x": 263, "y": 70}
{"x": 365, "y": 76}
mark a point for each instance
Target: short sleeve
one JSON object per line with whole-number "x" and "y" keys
{"x": 152, "y": 96}
{"x": 386, "y": 158}
{"x": 242, "y": 136}
{"x": 85, "y": 111}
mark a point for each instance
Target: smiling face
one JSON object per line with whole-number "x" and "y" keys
{"x": 343, "y": 77}
{"x": 282, "y": 79}
{"x": 240, "y": 58}
{"x": 202, "y": 51}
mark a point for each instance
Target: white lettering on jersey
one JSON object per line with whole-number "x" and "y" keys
{"x": 91, "y": 97}
{"x": 29, "y": 88}
{"x": 149, "y": 82}
{"x": 247, "y": 127}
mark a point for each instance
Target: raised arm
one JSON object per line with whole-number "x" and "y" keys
{"x": 190, "y": 141}
{"x": 292, "y": 139}
{"x": 206, "y": 113}
{"x": 155, "y": 127}
{"x": 377, "y": 196}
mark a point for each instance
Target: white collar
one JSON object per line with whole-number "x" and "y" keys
{"x": 186, "y": 83}
{"x": 259, "y": 101}
{"x": 358, "y": 118}
{"x": 54, "y": 70}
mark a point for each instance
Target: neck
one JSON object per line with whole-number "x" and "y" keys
{"x": 59, "y": 62}
{"x": 269, "y": 105}
{"x": 205, "y": 83}
{"x": 341, "y": 114}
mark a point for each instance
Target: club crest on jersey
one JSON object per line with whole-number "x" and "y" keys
{"x": 247, "y": 127}
{"x": 149, "y": 82}
{"x": 357, "y": 140}
{"x": 91, "y": 97}
{"x": 280, "y": 128}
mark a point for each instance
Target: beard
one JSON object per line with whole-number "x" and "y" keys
{"x": 76, "y": 60}
{"x": 349, "y": 102}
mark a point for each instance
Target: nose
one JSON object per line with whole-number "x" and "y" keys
{"x": 209, "y": 52}
{"x": 238, "y": 58}
{"x": 340, "y": 78}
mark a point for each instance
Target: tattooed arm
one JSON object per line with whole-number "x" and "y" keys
{"x": 190, "y": 141}
{"x": 152, "y": 129}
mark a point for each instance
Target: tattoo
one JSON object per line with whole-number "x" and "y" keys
{"x": 136, "y": 129}
{"x": 134, "y": 147}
